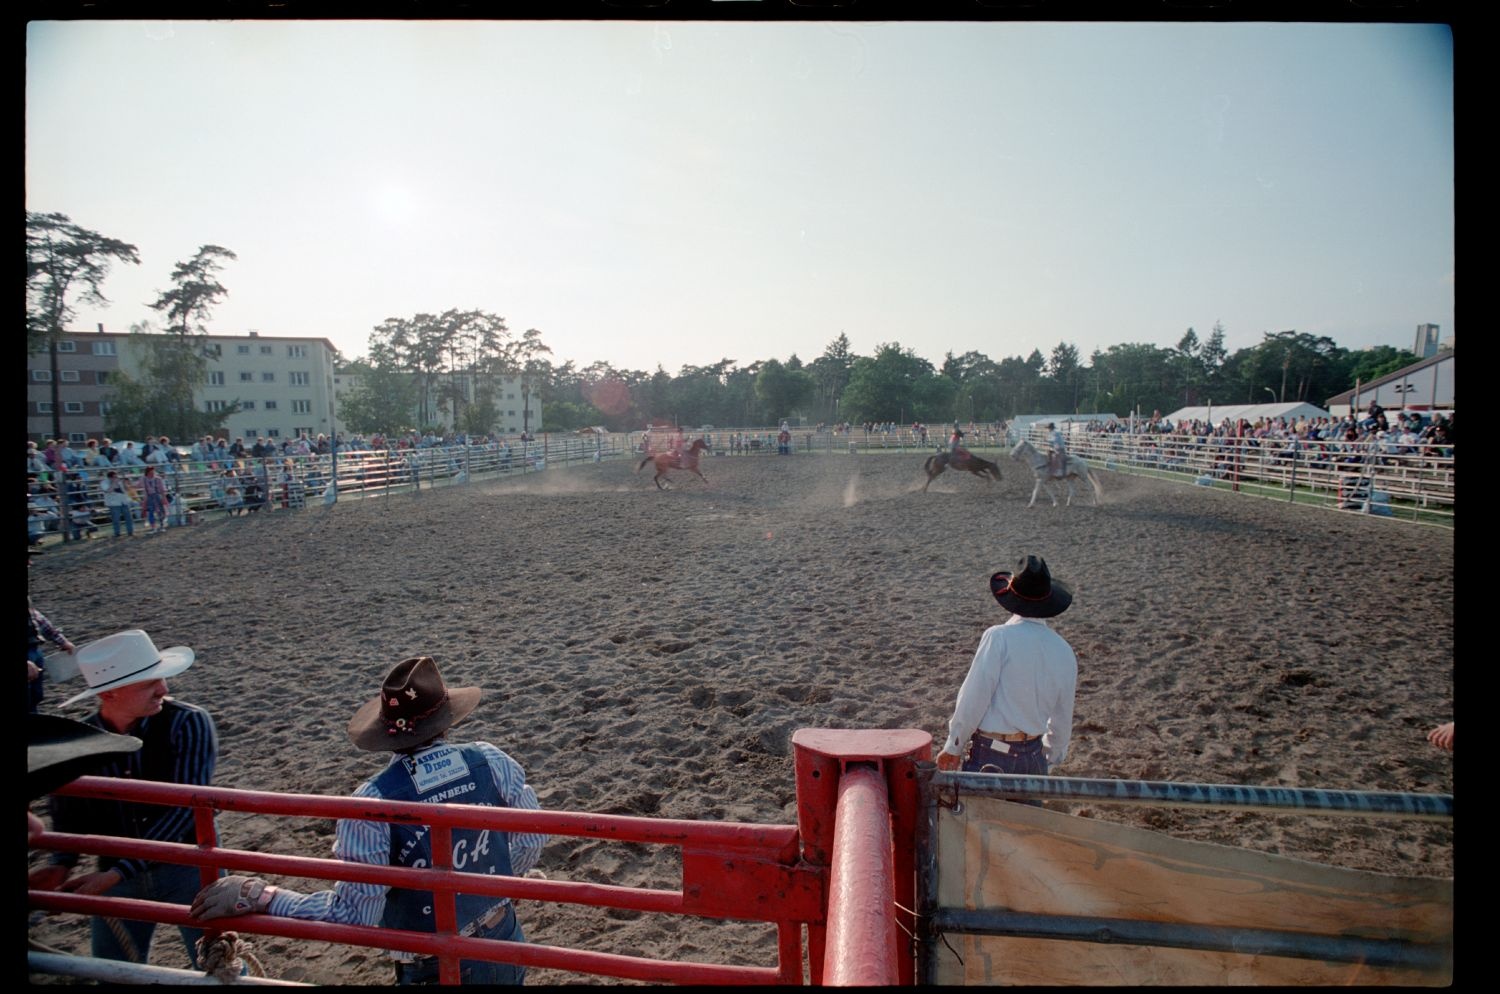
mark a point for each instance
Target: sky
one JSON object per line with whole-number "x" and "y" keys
{"x": 656, "y": 193}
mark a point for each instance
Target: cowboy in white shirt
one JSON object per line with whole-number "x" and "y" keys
{"x": 1014, "y": 712}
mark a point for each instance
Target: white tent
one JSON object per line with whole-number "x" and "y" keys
{"x": 1291, "y": 410}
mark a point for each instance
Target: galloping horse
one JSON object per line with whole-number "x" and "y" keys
{"x": 687, "y": 459}
{"x": 963, "y": 461}
{"x": 1075, "y": 469}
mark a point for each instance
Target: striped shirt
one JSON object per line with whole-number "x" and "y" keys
{"x": 44, "y": 628}
{"x": 350, "y": 903}
{"x": 185, "y": 752}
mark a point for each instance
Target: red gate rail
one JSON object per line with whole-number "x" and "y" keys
{"x": 729, "y": 870}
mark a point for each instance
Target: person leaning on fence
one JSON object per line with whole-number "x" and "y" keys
{"x": 39, "y": 630}
{"x": 128, "y": 673}
{"x": 409, "y": 718}
{"x": 1014, "y": 712}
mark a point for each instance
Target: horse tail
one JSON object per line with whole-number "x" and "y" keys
{"x": 1088, "y": 474}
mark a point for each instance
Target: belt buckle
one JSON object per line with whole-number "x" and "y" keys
{"x": 999, "y": 745}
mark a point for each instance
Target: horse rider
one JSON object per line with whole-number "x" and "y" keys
{"x": 1057, "y": 450}
{"x": 955, "y": 446}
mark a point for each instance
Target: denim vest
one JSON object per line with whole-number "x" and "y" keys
{"x": 442, "y": 774}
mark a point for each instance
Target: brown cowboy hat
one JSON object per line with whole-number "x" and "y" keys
{"x": 1030, "y": 591}
{"x": 414, "y": 706}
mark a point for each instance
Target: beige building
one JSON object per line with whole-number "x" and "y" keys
{"x": 284, "y": 386}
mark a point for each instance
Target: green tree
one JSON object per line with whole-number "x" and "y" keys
{"x": 782, "y": 389}
{"x": 890, "y": 386}
{"x": 383, "y": 401}
{"x": 1065, "y": 377}
{"x": 63, "y": 260}
{"x": 179, "y": 368}
{"x": 831, "y": 372}
{"x": 151, "y": 405}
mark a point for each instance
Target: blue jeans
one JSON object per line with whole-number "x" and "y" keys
{"x": 473, "y": 971}
{"x": 1024, "y": 759}
{"x": 158, "y": 882}
{"x": 37, "y": 688}
{"x": 120, "y": 514}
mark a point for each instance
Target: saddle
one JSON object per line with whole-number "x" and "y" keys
{"x": 960, "y": 458}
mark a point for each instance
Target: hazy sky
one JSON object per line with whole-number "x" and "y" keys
{"x": 679, "y": 193}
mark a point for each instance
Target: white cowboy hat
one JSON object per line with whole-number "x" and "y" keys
{"x": 125, "y": 658}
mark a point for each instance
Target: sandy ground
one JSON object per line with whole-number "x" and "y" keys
{"x": 652, "y": 653}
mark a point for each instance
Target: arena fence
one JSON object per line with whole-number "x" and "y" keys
{"x": 1377, "y": 477}
{"x": 861, "y": 872}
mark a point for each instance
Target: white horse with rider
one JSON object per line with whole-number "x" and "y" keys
{"x": 1049, "y": 471}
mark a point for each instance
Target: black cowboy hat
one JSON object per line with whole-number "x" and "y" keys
{"x": 414, "y": 706}
{"x": 60, "y": 750}
{"x": 1030, "y": 591}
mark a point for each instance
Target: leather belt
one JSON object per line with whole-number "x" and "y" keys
{"x": 1007, "y": 736}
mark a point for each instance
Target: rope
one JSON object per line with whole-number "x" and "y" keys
{"x": 127, "y": 944}
{"x": 223, "y": 956}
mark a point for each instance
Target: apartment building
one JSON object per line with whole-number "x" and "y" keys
{"x": 283, "y": 386}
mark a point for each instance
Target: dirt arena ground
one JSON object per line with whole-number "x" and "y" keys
{"x": 652, "y": 653}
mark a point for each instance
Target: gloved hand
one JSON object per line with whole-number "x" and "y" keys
{"x": 232, "y": 895}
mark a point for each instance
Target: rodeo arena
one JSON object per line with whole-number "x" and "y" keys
{"x": 721, "y": 666}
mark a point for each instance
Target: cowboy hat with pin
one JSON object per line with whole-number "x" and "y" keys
{"x": 1030, "y": 591}
{"x": 60, "y": 750}
{"x": 414, "y": 707}
{"x": 125, "y": 658}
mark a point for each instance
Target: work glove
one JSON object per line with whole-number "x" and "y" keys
{"x": 232, "y": 895}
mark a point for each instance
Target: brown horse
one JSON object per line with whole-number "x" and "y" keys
{"x": 687, "y": 459}
{"x": 963, "y": 460}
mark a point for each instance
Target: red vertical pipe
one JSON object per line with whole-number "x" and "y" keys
{"x": 444, "y": 902}
{"x": 862, "y": 946}
{"x": 901, "y": 778}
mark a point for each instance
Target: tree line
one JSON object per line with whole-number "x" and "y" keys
{"x": 450, "y": 367}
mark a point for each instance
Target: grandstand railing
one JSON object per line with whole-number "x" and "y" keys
{"x": 1378, "y": 476}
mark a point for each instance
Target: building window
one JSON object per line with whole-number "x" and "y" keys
{"x": 68, "y": 375}
{"x": 273, "y": 432}
{"x": 66, "y": 346}
{"x": 301, "y": 407}
{"x": 104, "y": 348}
{"x": 510, "y": 414}
{"x": 301, "y": 379}
{"x": 213, "y": 406}
{"x": 213, "y": 351}
{"x": 268, "y": 377}
{"x": 104, "y": 407}
{"x": 101, "y": 376}
{"x": 251, "y": 433}
{"x": 304, "y": 432}
{"x": 296, "y": 351}
{"x": 243, "y": 349}
{"x": 44, "y": 407}
{"x": 216, "y": 379}
{"x": 247, "y": 377}
{"x": 265, "y": 350}
{"x": 78, "y": 436}
{"x": 247, "y": 405}
{"x": 41, "y": 376}
{"x": 270, "y": 405}
{"x": 72, "y": 407}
